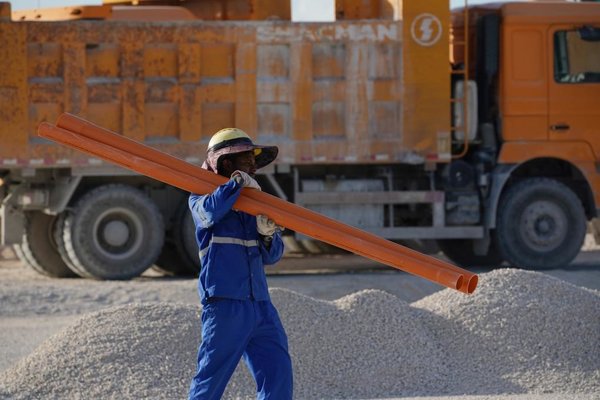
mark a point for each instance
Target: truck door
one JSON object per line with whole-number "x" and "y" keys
{"x": 574, "y": 92}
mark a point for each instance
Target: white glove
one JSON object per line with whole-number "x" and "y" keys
{"x": 245, "y": 180}
{"x": 266, "y": 226}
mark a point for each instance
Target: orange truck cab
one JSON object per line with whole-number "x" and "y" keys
{"x": 474, "y": 130}
{"x": 538, "y": 90}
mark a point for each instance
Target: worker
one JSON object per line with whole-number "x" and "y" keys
{"x": 238, "y": 318}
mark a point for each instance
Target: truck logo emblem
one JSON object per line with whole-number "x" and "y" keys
{"x": 426, "y": 29}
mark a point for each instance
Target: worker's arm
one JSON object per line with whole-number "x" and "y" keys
{"x": 271, "y": 248}
{"x": 208, "y": 209}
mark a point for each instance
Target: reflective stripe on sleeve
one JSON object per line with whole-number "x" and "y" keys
{"x": 227, "y": 240}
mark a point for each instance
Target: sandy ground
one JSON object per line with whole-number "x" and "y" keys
{"x": 33, "y": 307}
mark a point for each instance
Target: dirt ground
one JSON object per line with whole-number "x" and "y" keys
{"x": 34, "y": 307}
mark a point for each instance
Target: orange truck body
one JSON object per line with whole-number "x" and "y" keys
{"x": 329, "y": 93}
{"x": 431, "y": 146}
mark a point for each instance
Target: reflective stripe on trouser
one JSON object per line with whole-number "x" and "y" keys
{"x": 227, "y": 240}
{"x": 235, "y": 328}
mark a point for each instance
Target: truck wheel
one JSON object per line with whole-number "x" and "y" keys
{"x": 38, "y": 248}
{"x": 169, "y": 261}
{"x": 310, "y": 246}
{"x": 185, "y": 239}
{"x": 541, "y": 224}
{"x": 460, "y": 252}
{"x": 60, "y": 245}
{"x": 114, "y": 232}
{"x": 179, "y": 255}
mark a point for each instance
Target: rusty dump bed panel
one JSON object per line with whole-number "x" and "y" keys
{"x": 173, "y": 85}
{"x": 327, "y": 93}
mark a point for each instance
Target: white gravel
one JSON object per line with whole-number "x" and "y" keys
{"x": 39, "y": 295}
{"x": 126, "y": 352}
{"x": 521, "y": 334}
{"x": 521, "y": 331}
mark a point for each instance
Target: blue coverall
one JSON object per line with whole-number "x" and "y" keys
{"x": 238, "y": 318}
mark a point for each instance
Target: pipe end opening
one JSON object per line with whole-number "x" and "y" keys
{"x": 459, "y": 282}
{"x": 472, "y": 284}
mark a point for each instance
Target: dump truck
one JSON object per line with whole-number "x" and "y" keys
{"x": 478, "y": 128}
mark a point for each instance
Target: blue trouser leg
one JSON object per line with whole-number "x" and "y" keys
{"x": 226, "y": 326}
{"x": 267, "y": 356}
{"x": 232, "y": 328}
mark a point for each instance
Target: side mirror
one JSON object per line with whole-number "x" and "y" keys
{"x": 589, "y": 33}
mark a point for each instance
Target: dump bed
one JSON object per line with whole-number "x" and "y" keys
{"x": 357, "y": 91}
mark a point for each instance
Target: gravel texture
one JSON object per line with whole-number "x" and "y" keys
{"x": 521, "y": 334}
{"x": 126, "y": 352}
{"x": 521, "y": 331}
{"x": 46, "y": 297}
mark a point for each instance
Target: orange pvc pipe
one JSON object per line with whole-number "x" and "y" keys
{"x": 161, "y": 166}
{"x": 248, "y": 204}
{"x": 76, "y": 124}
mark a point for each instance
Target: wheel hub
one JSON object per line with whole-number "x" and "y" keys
{"x": 116, "y": 233}
{"x": 544, "y": 225}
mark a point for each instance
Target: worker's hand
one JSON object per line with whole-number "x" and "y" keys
{"x": 245, "y": 180}
{"x": 266, "y": 226}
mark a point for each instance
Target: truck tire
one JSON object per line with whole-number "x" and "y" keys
{"x": 460, "y": 252}
{"x": 115, "y": 232}
{"x": 169, "y": 262}
{"x": 185, "y": 239}
{"x": 38, "y": 249}
{"x": 60, "y": 245}
{"x": 179, "y": 255}
{"x": 310, "y": 246}
{"x": 541, "y": 224}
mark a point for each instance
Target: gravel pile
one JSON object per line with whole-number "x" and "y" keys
{"x": 521, "y": 332}
{"x": 367, "y": 344}
{"x": 126, "y": 352}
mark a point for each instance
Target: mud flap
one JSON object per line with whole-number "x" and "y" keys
{"x": 12, "y": 222}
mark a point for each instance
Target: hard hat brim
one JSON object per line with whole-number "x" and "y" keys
{"x": 263, "y": 155}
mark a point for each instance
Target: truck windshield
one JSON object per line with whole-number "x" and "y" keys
{"x": 576, "y": 60}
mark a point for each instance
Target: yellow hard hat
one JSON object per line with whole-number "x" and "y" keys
{"x": 226, "y": 137}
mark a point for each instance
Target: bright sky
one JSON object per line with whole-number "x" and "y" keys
{"x": 29, "y": 4}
